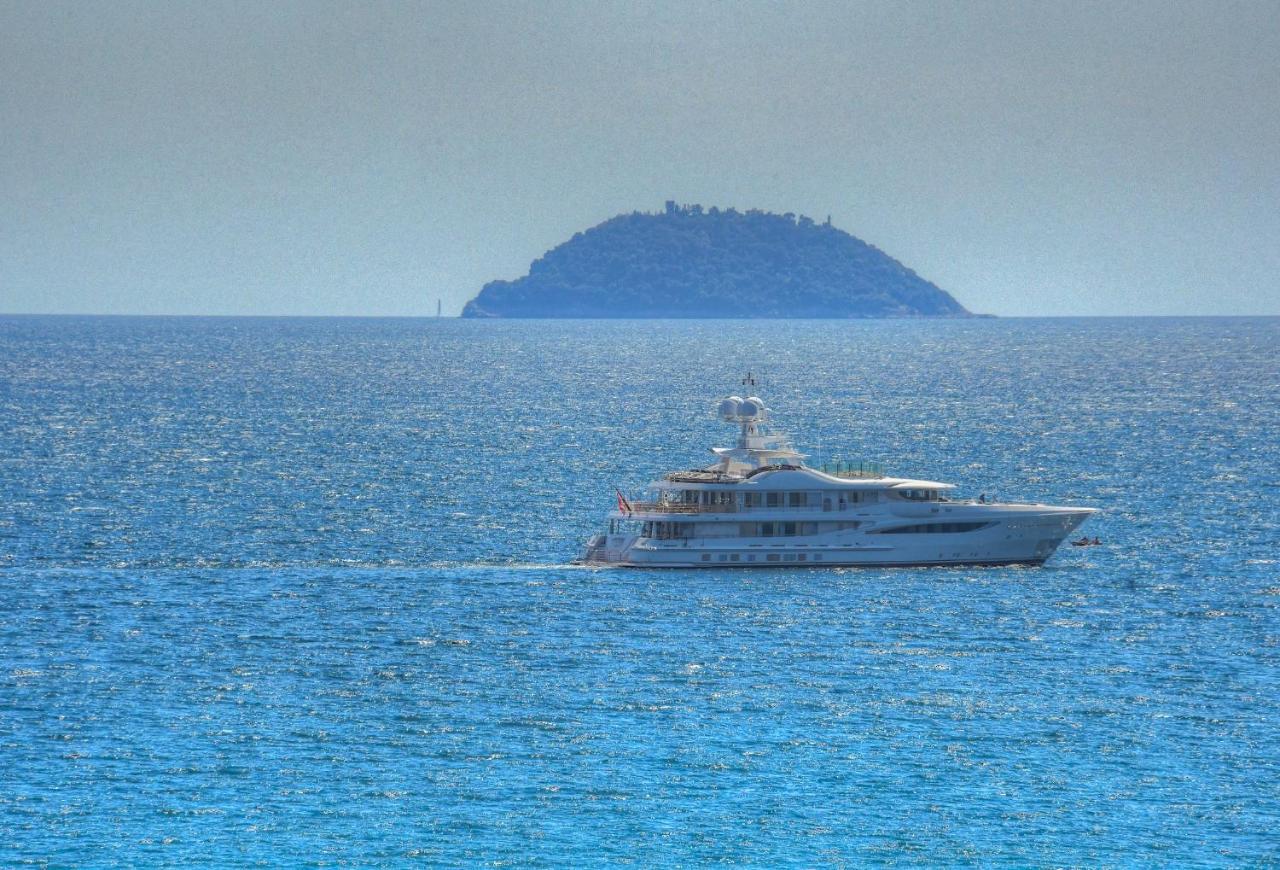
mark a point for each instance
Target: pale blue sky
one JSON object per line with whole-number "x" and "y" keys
{"x": 319, "y": 158}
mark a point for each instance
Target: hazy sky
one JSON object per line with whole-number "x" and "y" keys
{"x": 369, "y": 158}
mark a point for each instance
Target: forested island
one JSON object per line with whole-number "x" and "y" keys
{"x": 691, "y": 262}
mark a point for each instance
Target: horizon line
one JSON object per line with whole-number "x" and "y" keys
{"x": 984, "y": 316}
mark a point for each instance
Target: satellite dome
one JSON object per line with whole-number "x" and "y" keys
{"x": 729, "y": 408}
{"x": 753, "y": 407}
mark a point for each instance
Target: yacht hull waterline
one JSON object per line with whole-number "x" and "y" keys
{"x": 760, "y": 506}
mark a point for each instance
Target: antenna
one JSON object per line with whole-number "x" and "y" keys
{"x": 749, "y": 381}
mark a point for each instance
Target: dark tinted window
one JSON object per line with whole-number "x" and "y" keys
{"x": 932, "y": 529}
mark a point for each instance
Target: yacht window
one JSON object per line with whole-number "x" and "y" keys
{"x": 800, "y": 558}
{"x": 773, "y": 499}
{"x": 733, "y": 557}
{"x": 773, "y": 557}
{"x": 706, "y": 557}
{"x": 766, "y": 530}
{"x": 796, "y": 499}
{"x": 933, "y": 529}
{"x": 808, "y": 528}
{"x": 918, "y": 494}
{"x": 788, "y": 528}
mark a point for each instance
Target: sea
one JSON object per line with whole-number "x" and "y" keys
{"x": 299, "y": 592}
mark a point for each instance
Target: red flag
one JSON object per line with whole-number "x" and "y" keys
{"x": 623, "y": 505}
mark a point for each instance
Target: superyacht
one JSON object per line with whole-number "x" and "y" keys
{"x": 759, "y": 505}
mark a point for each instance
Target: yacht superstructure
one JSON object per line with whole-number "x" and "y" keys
{"x": 759, "y": 505}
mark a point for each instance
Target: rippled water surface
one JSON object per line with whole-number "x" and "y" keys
{"x": 283, "y": 590}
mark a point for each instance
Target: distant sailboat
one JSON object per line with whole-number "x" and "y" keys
{"x": 437, "y": 308}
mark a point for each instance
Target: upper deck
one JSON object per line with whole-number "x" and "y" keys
{"x": 789, "y": 488}
{"x": 764, "y": 472}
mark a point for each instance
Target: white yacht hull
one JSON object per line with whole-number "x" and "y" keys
{"x": 1019, "y": 537}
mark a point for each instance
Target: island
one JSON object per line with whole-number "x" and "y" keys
{"x": 688, "y": 262}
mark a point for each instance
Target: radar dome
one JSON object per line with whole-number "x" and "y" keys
{"x": 752, "y": 407}
{"x": 729, "y": 408}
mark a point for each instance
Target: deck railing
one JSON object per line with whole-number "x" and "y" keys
{"x": 853, "y": 469}
{"x": 676, "y": 508}
{"x": 832, "y": 506}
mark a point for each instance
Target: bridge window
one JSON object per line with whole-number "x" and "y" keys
{"x": 917, "y": 494}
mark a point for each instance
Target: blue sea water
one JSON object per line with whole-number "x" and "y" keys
{"x": 295, "y": 591}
